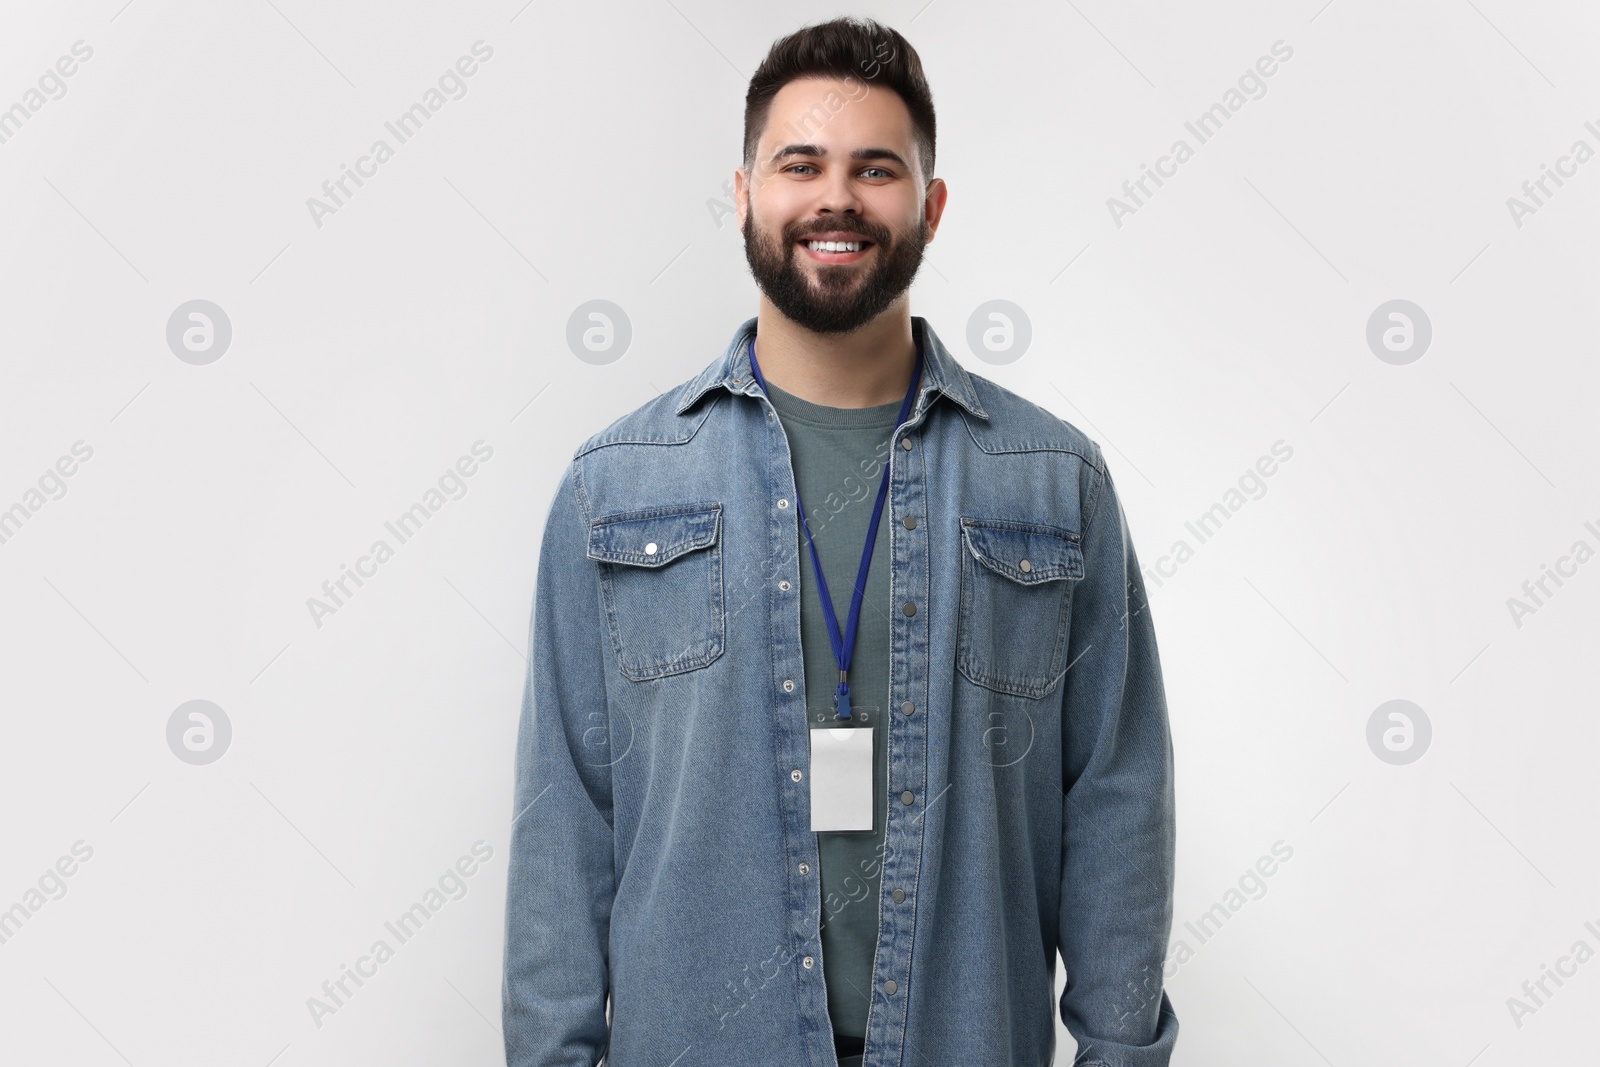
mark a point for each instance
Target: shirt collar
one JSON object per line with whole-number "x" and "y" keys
{"x": 940, "y": 371}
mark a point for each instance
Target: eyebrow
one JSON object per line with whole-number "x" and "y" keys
{"x": 860, "y": 155}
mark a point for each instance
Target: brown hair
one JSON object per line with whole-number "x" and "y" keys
{"x": 854, "y": 49}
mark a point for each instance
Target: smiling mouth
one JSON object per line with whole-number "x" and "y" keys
{"x": 836, "y": 251}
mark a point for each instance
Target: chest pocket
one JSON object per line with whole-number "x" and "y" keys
{"x": 661, "y": 585}
{"x": 1016, "y": 602}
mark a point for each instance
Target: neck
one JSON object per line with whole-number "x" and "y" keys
{"x": 866, "y": 367}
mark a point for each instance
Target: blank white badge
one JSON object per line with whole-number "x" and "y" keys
{"x": 841, "y": 778}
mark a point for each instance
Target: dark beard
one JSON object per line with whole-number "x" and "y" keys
{"x": 840, "y": 301}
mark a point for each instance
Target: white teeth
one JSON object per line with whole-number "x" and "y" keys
{"x": 834, "y": 246}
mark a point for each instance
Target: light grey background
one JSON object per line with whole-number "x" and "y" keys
{"x": 590, "y": 159}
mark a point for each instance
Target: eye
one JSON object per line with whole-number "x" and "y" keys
{"x": 881, "y": 171}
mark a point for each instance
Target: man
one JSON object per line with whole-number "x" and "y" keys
{"x": 793, "y": 788}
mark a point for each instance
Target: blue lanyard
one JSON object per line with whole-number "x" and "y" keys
{"x": 844, "y": 646}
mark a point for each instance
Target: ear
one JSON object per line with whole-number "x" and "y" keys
{"x": 741, "y": 195}
{"x": 933, "y": 205}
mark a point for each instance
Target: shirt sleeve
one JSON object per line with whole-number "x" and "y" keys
{"x": 1118, "y": 838}
{"x": 561, "y": 882}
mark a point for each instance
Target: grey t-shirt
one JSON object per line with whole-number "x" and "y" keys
{"x": 839, "y": 455}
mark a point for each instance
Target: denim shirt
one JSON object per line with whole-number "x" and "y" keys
{"x": 663, "y": 900}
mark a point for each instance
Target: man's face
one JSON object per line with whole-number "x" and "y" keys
{"x": 806, "y": 183}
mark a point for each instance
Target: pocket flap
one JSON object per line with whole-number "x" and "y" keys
{"x": 654, "y": 536}
{"x": 1024, "y": 552}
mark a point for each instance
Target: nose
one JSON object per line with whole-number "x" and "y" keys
{"x": 837, "y": 193}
